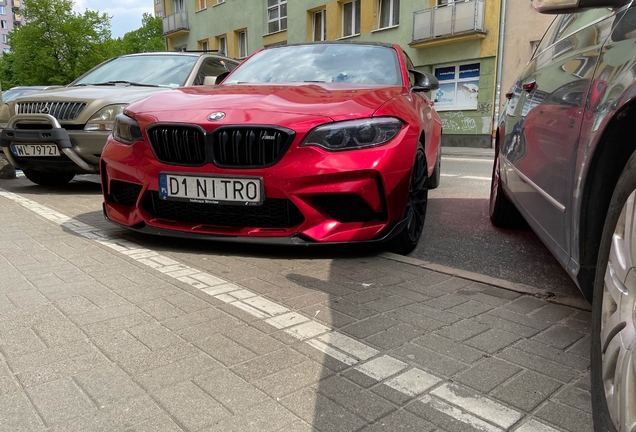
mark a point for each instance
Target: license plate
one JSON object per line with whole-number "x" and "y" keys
{"x": 211, "y": 190}
{"x": 28, "y": 150}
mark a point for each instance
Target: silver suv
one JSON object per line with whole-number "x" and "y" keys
{"x": 54, "y": 135}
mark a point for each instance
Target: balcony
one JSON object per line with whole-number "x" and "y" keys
{"x": 17, "y": 18}
{"x": 176, "y": 24}
{"x": 16, "y": 4}
{"x": 458, "y": 21}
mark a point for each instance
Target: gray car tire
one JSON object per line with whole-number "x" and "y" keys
{"x": 613, "y": 329}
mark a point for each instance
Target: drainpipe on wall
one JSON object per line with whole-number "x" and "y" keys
{"x": 502, "y": 28}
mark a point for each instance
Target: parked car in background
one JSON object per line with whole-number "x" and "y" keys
{"x": 565, "y": 161}
{"x": 301, "y": 144}
{"x": 14, "y": 92}
{"x": 55, "y": 135}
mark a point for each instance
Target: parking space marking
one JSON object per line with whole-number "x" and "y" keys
{"x": 477, "y": 411}
{"x": 466, "y": 177}
{"x": 478, "y": 405}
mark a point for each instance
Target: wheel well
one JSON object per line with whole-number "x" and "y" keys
{"x": 608, "y": 161}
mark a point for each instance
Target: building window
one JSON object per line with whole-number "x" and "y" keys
{"x": 159, "y": 13}
{"x": 157, "y": 1}
{"x": 205, "y": 45}
{"x": 3, "y": 24}
{"x": 201, "y": 4}
{"x": 6, "y": 50}
{"x": 220, "y": 1}
{"x": 458, "y": 87}
{"x": 276, "y": 15}
{"x": 320, "y": 25}
{"x": 222, "y": 46}
{"x": 242, "y": 44}
{"x": 444, "y": 2}
{"x": 389, "y": 13}
{"x": 351, "y": 18}
{"x": 5, "y": 39}
{"x": 3, "y": 10}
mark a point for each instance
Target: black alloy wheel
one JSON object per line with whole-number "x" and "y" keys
{"x": 415, "y": 211}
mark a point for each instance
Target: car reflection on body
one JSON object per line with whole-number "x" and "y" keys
{"x": 301, "y": 144}
{"x": 565, "y": 160}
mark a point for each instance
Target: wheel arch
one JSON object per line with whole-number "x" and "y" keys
{"x": 612, "y": 151}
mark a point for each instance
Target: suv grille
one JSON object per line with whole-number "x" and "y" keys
{"x": 226, "y": 147}
{"x": 180, "y": 145}
{"x": 62, "y": 111}
{"x": 274, "y": 213}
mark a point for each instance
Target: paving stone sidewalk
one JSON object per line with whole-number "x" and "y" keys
{"x": 101, "y": 329}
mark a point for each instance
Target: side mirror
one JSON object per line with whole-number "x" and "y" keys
{"x": 571, "y": 6}
{"x": 424, "y": 82}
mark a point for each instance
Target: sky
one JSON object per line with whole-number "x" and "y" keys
{"x": 126, "y": 14}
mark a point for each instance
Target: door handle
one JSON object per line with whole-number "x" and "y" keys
{"x": 529, "y": 86}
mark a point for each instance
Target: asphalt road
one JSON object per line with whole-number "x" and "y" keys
{"x": 458, "y": 232}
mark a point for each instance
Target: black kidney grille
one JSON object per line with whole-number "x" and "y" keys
{"x": 124, "y": 193}
{"x": 274, "y": 213}
{"x": 248, "y": 147}
{"x": 178, "y": 145}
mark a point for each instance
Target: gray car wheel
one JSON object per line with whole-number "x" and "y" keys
{"x": 613, "y": 351}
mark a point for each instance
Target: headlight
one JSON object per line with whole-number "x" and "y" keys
{"x": 126, "y": 130}
{"x": 354, "y": 134}
{"x": 104, "y": 118}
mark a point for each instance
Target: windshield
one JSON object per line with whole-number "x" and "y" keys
{"x": 329, "y": 63}
{"x": 155, "y": 70}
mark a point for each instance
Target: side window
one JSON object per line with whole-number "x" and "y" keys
{"x": 565, "y": 25}
{"x": 409, "y": 66}
{"x": 213, "y": 68}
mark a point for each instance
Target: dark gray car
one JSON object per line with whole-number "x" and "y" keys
{"x": 566, "y": 162}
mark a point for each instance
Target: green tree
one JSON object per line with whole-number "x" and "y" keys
{"x": 56, "y": 45}
{"x": 147, "y": 38}
{"x": 7, "y": 78}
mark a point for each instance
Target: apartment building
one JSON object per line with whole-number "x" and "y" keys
{"x": 10, "y": 17}
{"x": 455, "y": 40}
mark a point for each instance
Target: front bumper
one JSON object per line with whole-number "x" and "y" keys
{"x": 378, "y": 178}
{"x": 80, "y": 150}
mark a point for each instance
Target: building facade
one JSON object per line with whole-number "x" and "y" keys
{"x": 10, "y": 17}
{"x": 455, "y": 40}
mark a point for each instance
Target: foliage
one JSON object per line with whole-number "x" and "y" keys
{"x": 147, "y": 38}
{"x": 57, "y": 45}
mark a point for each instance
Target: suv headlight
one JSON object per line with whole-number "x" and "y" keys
{"x": 354, "y": 134}
{"x": 126, "y": 130}
{"x": 103, "y": 119}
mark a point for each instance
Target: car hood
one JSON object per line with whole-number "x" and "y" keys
{"x": 95, "y": 97}
{"x": 321, "y": 100}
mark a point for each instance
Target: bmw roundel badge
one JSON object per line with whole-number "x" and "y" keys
{"x": 215, "y": 116}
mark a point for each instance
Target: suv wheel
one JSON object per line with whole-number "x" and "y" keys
{"x": 613, "y": 350}
{"x": 48, "y": 179}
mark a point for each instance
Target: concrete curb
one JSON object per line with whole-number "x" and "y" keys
{"x": 574, "y": 302}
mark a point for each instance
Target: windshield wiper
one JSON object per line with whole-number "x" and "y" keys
{"x": 130, "y": 83}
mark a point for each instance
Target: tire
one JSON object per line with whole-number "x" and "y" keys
{"x": 613, "y": 345}
{"x": 415, "y": 211}
{"x": 503, "y": 214}
{"x": 434, "y": 179}
{"x": 48, "y": 179}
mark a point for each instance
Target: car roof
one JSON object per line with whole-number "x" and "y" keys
{"x": 383, "y": 44}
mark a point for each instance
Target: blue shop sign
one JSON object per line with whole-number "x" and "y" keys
{"x": 445, "y": 73}
{"x": 469, "y": 71}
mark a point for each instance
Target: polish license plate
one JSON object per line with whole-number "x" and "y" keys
{"x": 211, "y": 189}
{"x": 29, "y": 150}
